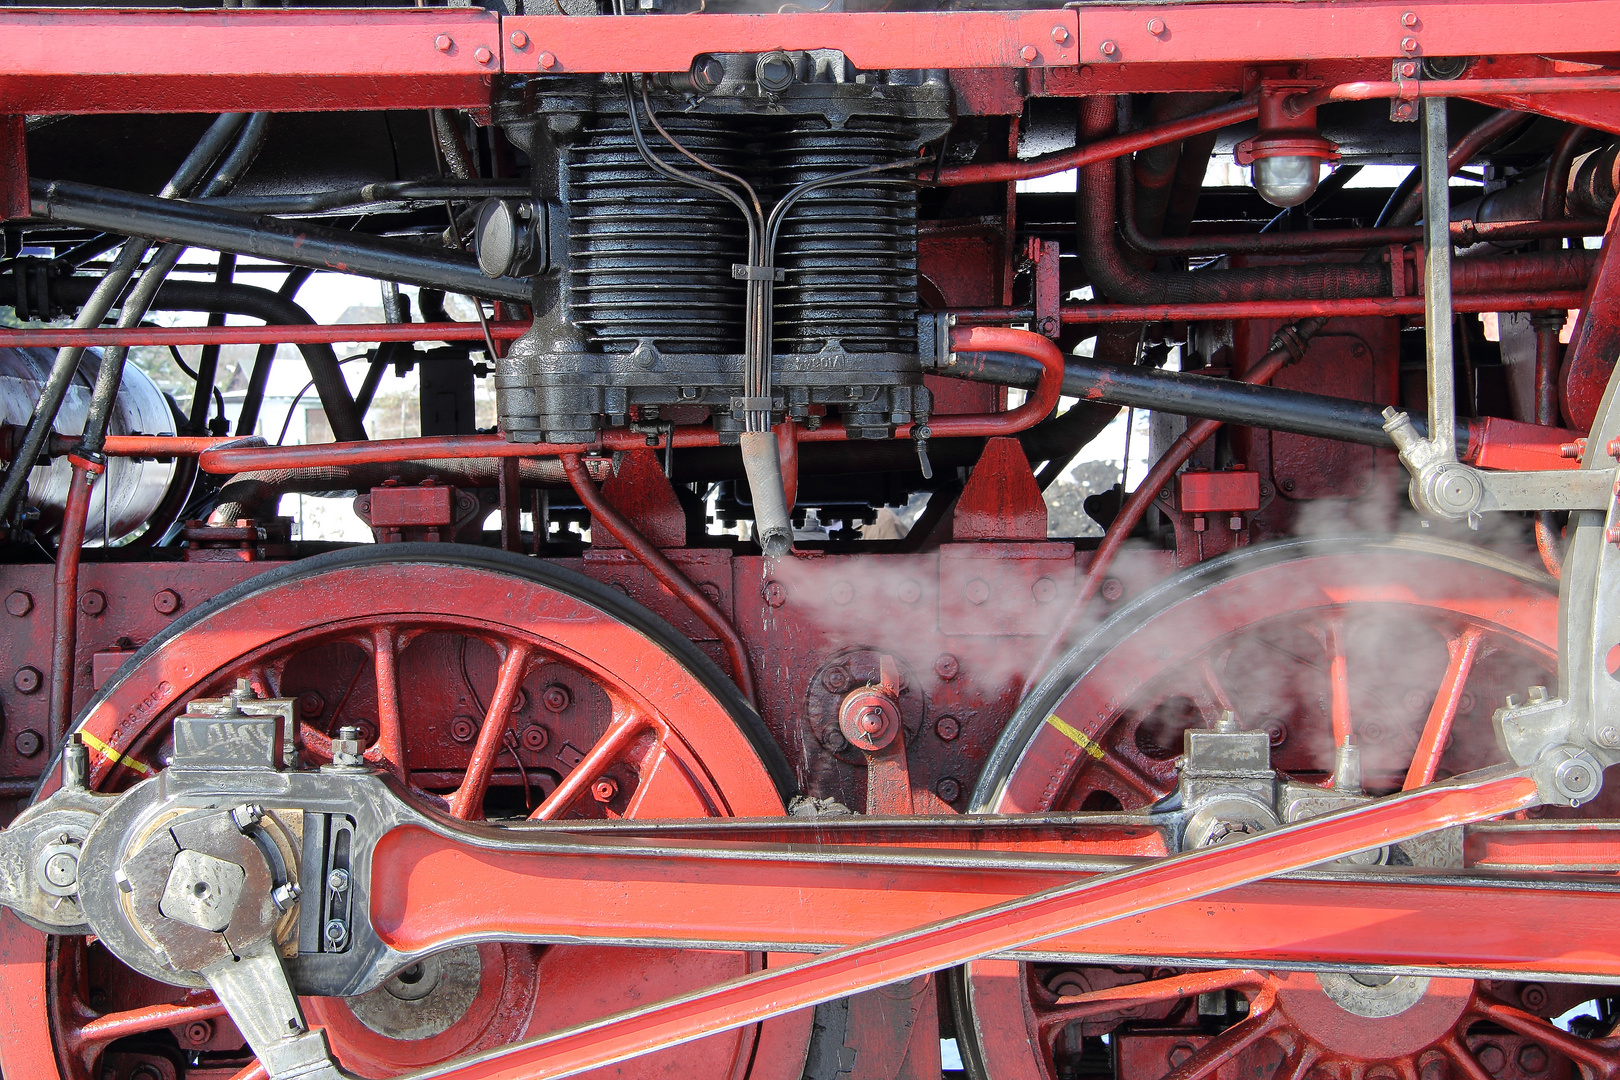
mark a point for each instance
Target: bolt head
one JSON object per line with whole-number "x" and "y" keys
{"x": 1112, "y": 590}
{"x": 978, "y": 591}
{"x": 843, "y": 592}
{"x": 444, "y": 43}
{"x": 62, "y": 869}
{"x": 166, "y": 601}
{"x": 1408, "y": 70}
{"x": 463, "y": 728}
{"x": 947, "y": 728}
{"x": 483, "y": 55}
{"x": 26, "y": 680}
{"x": 1409, "y": 44}
{"x": 1029, "y": 54}
{"x": 604, "y": 789}
{"x": 947, "y": 666}
{"x": 547, "y": 61}
{"x": 199, "y": 1032}
{"x": 775, "y": 593}
{"x": 1609, "y": 736}
{"x": 1060, "y": 35}
{"x": 1532, "y": 1058}
{"x": 19, "y": 603}
{"x": 28, "y": 743}
{"x": 93, "y": 602}
{"x": 519, "y": 39}
{"x": 1156, "y": 26}
{"x": 1109, "y": 48}
{"x": 949, "y": 789}
{"x": 910, "y": 592}
{"x": 1044, "y": 590}
{"x": 534, "y": 738}
{"x": 1409, "y": 19}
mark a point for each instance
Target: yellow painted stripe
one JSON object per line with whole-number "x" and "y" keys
{"x": 1080, "y": 738}
{"x": 113, "y": 755}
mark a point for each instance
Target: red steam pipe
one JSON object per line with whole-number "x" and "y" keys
{"x": 661, "y": 568}
{"x": 1136, "y": 505}
{"x": 1372, "y": 90}
{"x": 65, "y": 613}
{"x": 1102, "y": 149}
{"x": 239, "y": 455}
{"x": 57, "y": 337}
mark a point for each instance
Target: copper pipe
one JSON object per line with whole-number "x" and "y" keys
{"x": 1157, "y": 478}
{"x": 1102, "y": 149}
{"x": 65, "y": 615}
{"x": 661, "y": 568}
{"x": 239, "y": 455}
{"x": 1373, "y": 90}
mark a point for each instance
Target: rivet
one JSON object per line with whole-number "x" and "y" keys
{"x": 444, "y": 43}
{"x": 519, "y": 39}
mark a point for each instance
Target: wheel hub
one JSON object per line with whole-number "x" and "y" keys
{"x": 1398, "y": 1018}
{"x": 425, "y": 999}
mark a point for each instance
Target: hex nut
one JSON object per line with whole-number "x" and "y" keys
{"x": 947, "y": 666}
{"x": 93, "y": 602}
{"x": 166, "y": 601}
{"x": 19, "y": 603}
{"x": 948, "y": 789}
{"x": 26, "y": 680}
{"x": 338, "y": 880}
{"x": 555, "y": 698}
{"x": 947, "y": 728}
{"x": 534, "y": 738}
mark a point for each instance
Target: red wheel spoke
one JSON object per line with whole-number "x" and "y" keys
{"x": 1096, "y": 1002}
{"x": 254, "y": 1071}
{"x": 668, "y": 789}
{"x": 621, "y": 732}
{"x": 1598, "y": 1056}
{"x": 118, "y": 1025}
{"x": 468, "y": 801}
{"x": 1299, "y": 1062}
{"x": 1462, "y": 1057}
{"x": 1227, "y": 1045}
{"x": 390, "y": 748}
{"x": 1217, "y": 689}
{"x": 1464, "y": 651}
{"x": 1339, "y": 684}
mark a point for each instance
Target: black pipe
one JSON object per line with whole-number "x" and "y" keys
{"x": 265, "y": 237}
{"x": 258, "y": 304}
{"x": 1186, "y": 394}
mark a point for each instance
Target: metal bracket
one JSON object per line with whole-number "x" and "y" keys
{"x": 1407, "y": 75}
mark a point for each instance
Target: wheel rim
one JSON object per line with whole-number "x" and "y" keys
{"x": 490, "y": 683}
{"x": 1287, "y": 637}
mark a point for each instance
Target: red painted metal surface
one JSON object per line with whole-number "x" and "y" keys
{"x": 61, "y": 60}
{"x": 562, "y": 44}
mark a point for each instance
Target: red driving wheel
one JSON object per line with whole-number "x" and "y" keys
{"x": 1408, "y": 646}
{"x": 496, "y": 687}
